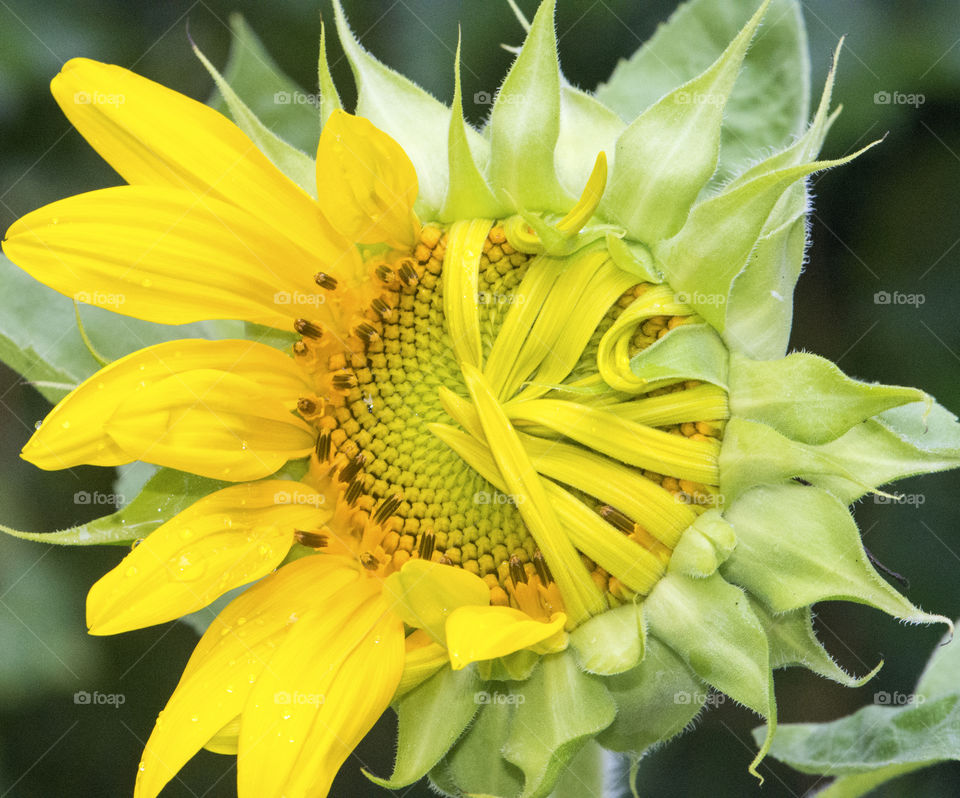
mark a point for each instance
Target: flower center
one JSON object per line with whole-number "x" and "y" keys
{"x": 395, "y": 384}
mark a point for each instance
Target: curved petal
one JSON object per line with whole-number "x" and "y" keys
{"x": 325, "y": 687}
{"x": 212, "y": 423}
{"x": 230, "y": 657}
{"x": 366, "y": 183}
{"x": 478, "y": 633}
{"x": 155, "y": 136}
{"x": 167, "y": 256}
{"x": 74, "y": 432}
{"x": 425, "y": 593}
{"x": 222, "y": 541}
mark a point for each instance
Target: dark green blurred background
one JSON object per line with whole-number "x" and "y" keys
{"x": 889, "y": 222}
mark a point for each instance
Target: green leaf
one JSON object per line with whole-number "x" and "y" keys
{"x": 165, "y": 494}
{"x": 272, "y": 97}
{"x": 797, "y": 545}
{"x": 525, "y": 124}
{"x": 444, "y": 704}
{"x": 656, "y": 700}
{"x": 806, "y": 397}
{"x": 769, "y": 103}
{"x": 296, "y": 165}
{"x": 546, "y": 732}
{"x": 403, "y": 110}
{"x": 40, "y": 340}
{"x": 874, "y": 737}
{"x": 668, "y": 153}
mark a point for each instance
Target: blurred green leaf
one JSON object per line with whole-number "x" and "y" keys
{"x": 898, "y": 734}
{"x": 771, "y": 99}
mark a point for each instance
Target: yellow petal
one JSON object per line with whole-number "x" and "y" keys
{"x": 164, "y": 255}
{"x": 366, "y": 183}
{"x": 226, "y": 741}
{"x": 230, "y": 657}
{"x": 222, "y": 541}
{"x": 74, "y": 432}
{"x": 480, "y": 633}
{"x": 423, "y": 658}
{"x": 425, "y": 593}
{"x": 212, "y": 423}
{"x": 157, "y": 137}
{"x": 325, "y": 686}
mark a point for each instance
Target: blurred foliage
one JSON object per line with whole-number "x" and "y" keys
{"x": 887, "y": 223}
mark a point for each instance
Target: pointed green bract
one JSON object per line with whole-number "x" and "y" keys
{"x": 445, "y": 704}
{"x": 547, "y": 733}
{"x": 709, "y": 624}
{"x": 703, "y": 259}
{"x": 793, "y": 642}
{"x": 797, "y": 545}
{"x": 690, "y": 352}
{"x": 704, "y": 546}
{"x": 781, "y": 394}
{"x": 917, "y": 438}
{"x": 655, "y": 701}
{"x": 587, "y": 127}
{"x": 329, "y": 96}
{"x": 769, "y": 102}
{"x": 396, "y": 105}
{"x": 296, "y": 165}
{"x": 271, "y": 96}
{"x": 468, "y": 195}
{"x": 667, "y": 155}
{"x": 525, "y": 124}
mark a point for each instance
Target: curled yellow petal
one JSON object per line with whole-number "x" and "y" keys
{"x": 580, "y": 213}
{"x": 366, "y": 184}
{"x": 423, "y": 658}
{"x": 481, "y": 633}
{"x": 425, "y": 593}
{"x": 74, "y": 433}
{"x": 222, "y": 541}
{"x": 155, "y": 136}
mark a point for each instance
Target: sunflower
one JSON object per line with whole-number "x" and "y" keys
{"x": 535, "y": 470}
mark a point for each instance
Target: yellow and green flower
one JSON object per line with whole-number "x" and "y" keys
{"x": 532, "y": 462}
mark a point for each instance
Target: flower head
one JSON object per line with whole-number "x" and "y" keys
{"x": 533, "y": 434}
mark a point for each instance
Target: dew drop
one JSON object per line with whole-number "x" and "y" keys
{"x": 186, "y": 533}
{"x": 146, "y": 282}
{"x": 65, "y": 425}
{"x": 132, "y": 570}
{"x": 244, "y": 445}
{"x": 195, "y": 719}
{"x": 241, "y": 621}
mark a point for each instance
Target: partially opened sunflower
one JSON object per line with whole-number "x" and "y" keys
{"x": 557, "y": 477}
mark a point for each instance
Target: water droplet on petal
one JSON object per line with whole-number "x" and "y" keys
{"x": 132, "y": 570}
